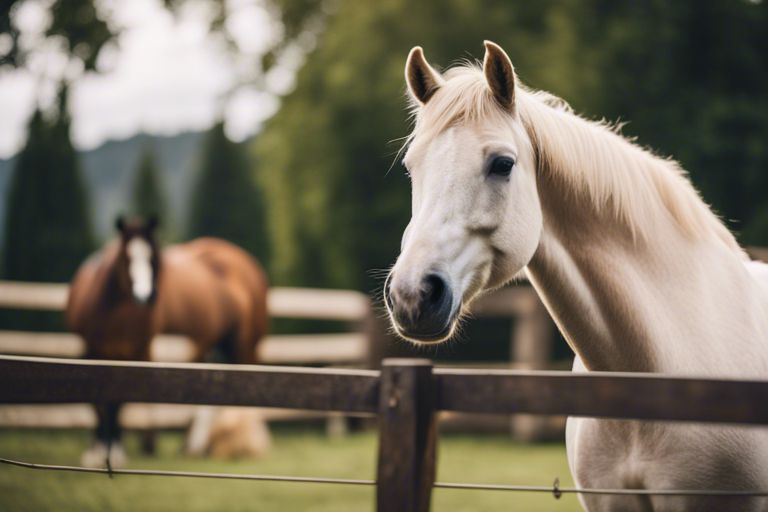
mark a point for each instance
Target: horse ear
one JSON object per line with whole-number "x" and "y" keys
{"x": 500, "y": 74}
{"x": 152, "y": 222}
{"x": 423, "y": 81}
{"x": 120, "y": 223}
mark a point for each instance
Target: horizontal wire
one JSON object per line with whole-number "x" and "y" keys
{"x": 191, "y": 474}
{"x": 555, "y": 490}
{"x": 588, "y": 490}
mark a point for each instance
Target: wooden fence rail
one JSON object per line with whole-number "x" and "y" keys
{"x": 365, "y": 344}
{"x": 346, "y": 306}
{"x": 406, "y": 395}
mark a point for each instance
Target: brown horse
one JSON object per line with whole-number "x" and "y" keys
{"x": 208, "y": 290}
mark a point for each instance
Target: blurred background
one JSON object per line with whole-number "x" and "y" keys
{"x": 275, "y": 123}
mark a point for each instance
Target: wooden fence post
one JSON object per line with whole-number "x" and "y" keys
{"x": 407, "y": 436}
{"x": 376, "y": 329}
{"x": 531, "y": 349}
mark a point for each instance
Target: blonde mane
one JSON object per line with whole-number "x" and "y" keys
{"x": 589, "y": 157}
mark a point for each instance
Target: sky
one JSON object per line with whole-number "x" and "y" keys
{"x": 167, "y": 75}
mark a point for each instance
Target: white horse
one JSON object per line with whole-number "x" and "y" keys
{"x": 636, "y": 270}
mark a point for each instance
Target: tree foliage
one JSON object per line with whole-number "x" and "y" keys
{"x": 148, "y": 199}
{"x": 690, "y": 77}
{"x": 335, "y": 210}
{"x": 47, "y": 234}
{"x": 83, "y": 27}
{"x": 76, "y": 23}
{"x": 225, "y": 200}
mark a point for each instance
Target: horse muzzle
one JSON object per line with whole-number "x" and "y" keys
{"x": 424, "y": 313}
{"x": 143, "y": 299}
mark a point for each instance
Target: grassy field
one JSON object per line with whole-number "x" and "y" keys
{"x": 482, "y": 458}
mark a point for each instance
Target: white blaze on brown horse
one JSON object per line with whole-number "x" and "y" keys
{"x": 208, "y": 290}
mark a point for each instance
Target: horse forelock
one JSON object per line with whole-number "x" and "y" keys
{"x": 588, "y": 156}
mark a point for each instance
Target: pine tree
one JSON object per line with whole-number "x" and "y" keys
{"x": 148, "y": 199}
{"x": 225, "y": 200}
{"x": 47, "y": 231}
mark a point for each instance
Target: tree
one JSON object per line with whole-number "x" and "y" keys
{"x": 696, "y": 89}
{"x": 81, "y": 29}
{"x": 335, "y": 210}
{"x": 148, "y": 198}
{"x": 47, "y": 234}
{"x": 225, "y": 200}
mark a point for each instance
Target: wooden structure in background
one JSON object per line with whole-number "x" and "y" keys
{"x": 758, "y": 253}
{"x": 365, "y": 345}
{"x": 304, "y": 303}
{"x": 531, "y": 348}
{"x": 352, "y": 348}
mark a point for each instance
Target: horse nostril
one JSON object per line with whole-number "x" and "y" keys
{"x": 434, "y": 289}
{"x": 422, "y": 313}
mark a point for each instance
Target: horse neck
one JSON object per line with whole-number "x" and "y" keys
{"x": 635, "y": 303}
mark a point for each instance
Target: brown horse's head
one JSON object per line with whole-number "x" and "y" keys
{"x": 138, "y": 260}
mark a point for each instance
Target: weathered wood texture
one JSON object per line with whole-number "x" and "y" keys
{"x": 406, "y": 395}
{"x": 407, "y": 436}
{"x": 603, "y": 394}
{"x": 37, "y": 380}
{"x": 42, "y": 380}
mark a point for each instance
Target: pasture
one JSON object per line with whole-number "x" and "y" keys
{"x": 296, "y": 451}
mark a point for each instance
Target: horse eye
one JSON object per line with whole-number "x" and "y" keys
{"x": 501, "y": 166}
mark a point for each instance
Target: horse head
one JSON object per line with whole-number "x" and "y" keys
{"x": 476, "y": 218}
{"x": 139, "y": 259}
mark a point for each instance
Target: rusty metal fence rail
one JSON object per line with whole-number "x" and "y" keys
{"x": 406, "y": 395}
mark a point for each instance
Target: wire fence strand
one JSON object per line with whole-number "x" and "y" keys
{"x": 554, "y": 489}
{"x": 188, "y": 474}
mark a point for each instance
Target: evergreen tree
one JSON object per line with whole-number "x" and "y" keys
{"x": 225, "y": 200}
{"x": 689, "y": 77}
{"x": 697, "y": 90}
{"x": 335, "y": 210}
{"x": 148, "y": 199}
{"x": 47, "y": 234}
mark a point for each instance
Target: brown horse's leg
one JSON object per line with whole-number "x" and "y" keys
{"x": 107, "y": 423}
{"x": 246, "y": 346}
{"x": 108, "y": 429}
{"x": 106, "y": 450}
{"x": 149, "y": 441}
{"x": 249, "y": 333}
{"x": 148, "y": 436}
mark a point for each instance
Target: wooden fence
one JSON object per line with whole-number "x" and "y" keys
{"x": 355, "y": 347}
{"x": 363, "y": 345}
{"x": 350, "y": 307}
{"x": 406, "y": 395}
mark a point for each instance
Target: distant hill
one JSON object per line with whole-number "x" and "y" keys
{"x": 110, "y": 169}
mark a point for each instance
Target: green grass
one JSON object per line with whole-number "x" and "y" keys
{"x": 481, "y": 459}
